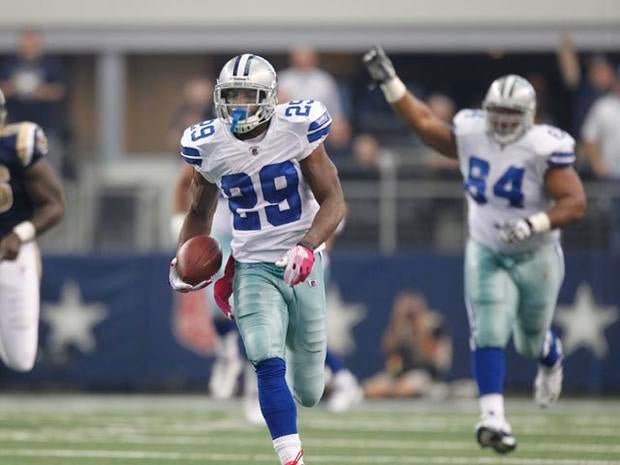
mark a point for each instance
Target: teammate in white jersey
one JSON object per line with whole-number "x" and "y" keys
{"x": 31, "y": 202}
{"x": 521, "y": 188}
{"x": 283, "y": 191}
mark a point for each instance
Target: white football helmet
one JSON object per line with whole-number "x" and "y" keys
{"x": 246, "y": 91}
{"x": 2, "y": 109}
{"x": 510, "y": 106}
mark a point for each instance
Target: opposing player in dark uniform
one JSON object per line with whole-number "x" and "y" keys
{"x": 31, "y": 202}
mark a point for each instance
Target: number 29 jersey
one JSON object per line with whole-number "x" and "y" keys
{"x": 507, "y": 183}
{"x": 272, "y": 206}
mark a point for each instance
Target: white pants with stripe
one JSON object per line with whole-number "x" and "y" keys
{"x": 19, "y": 308}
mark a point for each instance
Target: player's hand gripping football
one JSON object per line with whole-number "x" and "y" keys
{"x": 181, "y": 286}
{"x": 9, "y": 246}
{"x": 378, "y": 64}
{"x": 514, "y": 232}
{"x": 298, "y": 262}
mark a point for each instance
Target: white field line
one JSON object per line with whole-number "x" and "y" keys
{"x": 192, "y": 403}
{"x": 328, "y": 443}
{"x": 252, "y": 458}
{"x": 199, "y": 427}
{"x": 449, "y": 427}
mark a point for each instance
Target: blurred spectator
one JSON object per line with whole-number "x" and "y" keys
{"x": 196, "y": 106}
{"x": 444, "y": 107}
{"x": 598, "y": 81}
{"x": 601, "y": 137}
{"x": 544, "y": 111}
{"x": 601, "y": 134}
{"x": 304, "y": 80}
{"x": 369, "y": 157}
{"x": 34, "y": 85}
{"x": 417, "y": 347}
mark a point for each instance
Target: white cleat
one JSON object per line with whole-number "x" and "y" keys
{"x": 548, "y": 384}
{"x": 252, "y": 411}
{"x": 495, "y": 432}
{"x": 251, "y": 404}
{"x": 346, "y": 392}
{"x": 226, "y": 368}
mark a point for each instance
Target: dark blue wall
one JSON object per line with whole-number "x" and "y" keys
{"x": 135, "y": 347}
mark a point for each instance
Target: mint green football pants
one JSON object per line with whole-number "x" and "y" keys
{"x": 512, "y": 294}
{"x": 273, "y": 316}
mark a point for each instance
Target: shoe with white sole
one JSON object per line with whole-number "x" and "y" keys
{"x": 548, "y": 384}
{"x": 346, "y": 392}
{"x": 226, "y": 368}
{"x": 495, "y": 432}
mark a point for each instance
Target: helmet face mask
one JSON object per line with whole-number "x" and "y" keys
{"x": 245, "y": 95}
{"x": 510, "y": 105}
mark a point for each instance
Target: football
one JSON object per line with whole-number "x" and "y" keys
{"x": 198, "y": 259}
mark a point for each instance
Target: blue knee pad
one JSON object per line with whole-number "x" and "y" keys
{"x": 276, "y": 400}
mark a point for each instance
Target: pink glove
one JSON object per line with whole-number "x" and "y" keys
{"x": 223, "y": 288}
{"x": 298, "y": 262}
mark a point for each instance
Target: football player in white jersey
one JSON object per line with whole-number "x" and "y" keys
{"x": 521, "y": 189}
{"x": 31, "y": 202}
{"x": 283, "y": 191}
{"x": 228, "y": 365}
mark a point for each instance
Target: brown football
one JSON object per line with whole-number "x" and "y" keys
{"x": 198, "y": 259}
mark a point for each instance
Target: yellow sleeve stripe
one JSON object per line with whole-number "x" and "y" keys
{"x": 25, "y": 142}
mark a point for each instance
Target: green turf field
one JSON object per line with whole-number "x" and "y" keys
{"x": 177, "y": 430}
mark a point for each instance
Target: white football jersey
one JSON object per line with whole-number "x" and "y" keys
{"x": 272, "y": 206}
{"x": 507, "y": 183}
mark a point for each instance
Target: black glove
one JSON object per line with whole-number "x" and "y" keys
{"x": 378, "y": 64}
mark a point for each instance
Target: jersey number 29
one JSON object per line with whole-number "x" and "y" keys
{"x": 508, "y": 186}
{"x": 279, "y": 184}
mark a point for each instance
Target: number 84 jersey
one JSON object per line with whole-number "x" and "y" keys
{"x": 507, "y": 183}
{"x": 271, "y": 204}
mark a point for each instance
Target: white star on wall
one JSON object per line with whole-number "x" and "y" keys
{"x": 72, "y": 321}
{"x": 584, "y": 323}
{"x": 342, "y": 317}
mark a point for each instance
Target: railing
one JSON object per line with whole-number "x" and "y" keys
{"x": 392, "y": 209}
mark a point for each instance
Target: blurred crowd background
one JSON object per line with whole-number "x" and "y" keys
{"x": 114, "y": 122}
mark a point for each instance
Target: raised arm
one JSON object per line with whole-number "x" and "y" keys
{"x": 568, "y": 62}
{"x": 322, "y": 176}
{"x": 431, "y": 129}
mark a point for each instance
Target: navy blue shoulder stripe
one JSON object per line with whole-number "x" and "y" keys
{"x": 316, "y": 135}
{"x": 553, "y": 164}
{"x": 321, "y": 121}
{"x": 562, "y": 155}
{"x": 191, "y": 155}
{"x": 189, "y": 151}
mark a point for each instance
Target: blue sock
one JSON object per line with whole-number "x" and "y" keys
{"x": 489, "y": 367}
{"x": 552, "y": 350}
{"x": 223, "y": 326}
{"x": 276, "y": 400}
{"x": 333, "y": 362}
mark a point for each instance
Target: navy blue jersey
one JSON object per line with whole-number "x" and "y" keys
{"x": 21, "y": 145}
